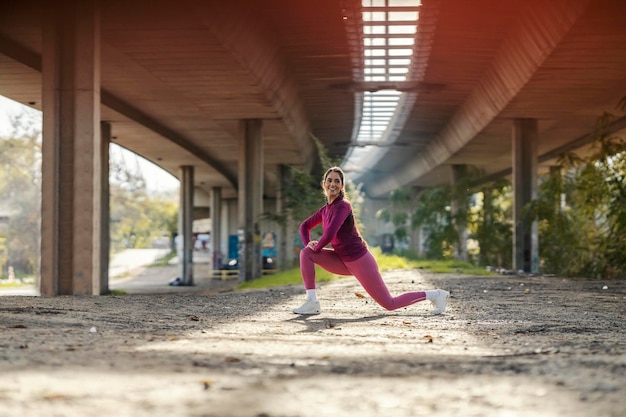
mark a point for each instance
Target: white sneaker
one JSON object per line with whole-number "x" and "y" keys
{"x": 309, "y": 307}
{"x": 440, "y": 301}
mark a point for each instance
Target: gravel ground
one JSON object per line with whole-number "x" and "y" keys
{"x": 507, "y": 346}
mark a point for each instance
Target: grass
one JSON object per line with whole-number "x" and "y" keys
{"x": 385, "y": 263}
{"x": 14, "y": 284}
{"x": 452, "y": 267}
{"x": 290, "y": 276}
{"x": 25, "y": 282}
{"x": 117, "y": 292}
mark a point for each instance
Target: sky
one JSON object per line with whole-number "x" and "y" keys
{"x": 156, "y": 178}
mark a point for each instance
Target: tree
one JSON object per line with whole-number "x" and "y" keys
{"x": 433, "y": 214}
{"x": 20, "y": 192}
{"x": 398, "y": 212}
{"x": 138, "y": 217}
{"x": 489, "y": 223}
{"x": 582, "y": 212}
{"x": 492, "y": 225}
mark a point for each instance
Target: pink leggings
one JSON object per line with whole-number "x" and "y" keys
{"x": 364, "y": 269}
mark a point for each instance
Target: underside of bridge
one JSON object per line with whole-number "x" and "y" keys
{"x": 400, "y": 91}
{"x": 176, "y": 77}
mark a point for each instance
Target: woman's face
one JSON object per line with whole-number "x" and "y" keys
{"x": 333, "y": 185}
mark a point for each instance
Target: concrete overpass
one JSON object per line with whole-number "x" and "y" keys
{"x": 222, "y": 94}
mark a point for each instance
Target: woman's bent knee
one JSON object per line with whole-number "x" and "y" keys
{"x": 306, "y": 252}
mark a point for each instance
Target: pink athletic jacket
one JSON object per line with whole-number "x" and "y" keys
{"x": 338, "y": 229}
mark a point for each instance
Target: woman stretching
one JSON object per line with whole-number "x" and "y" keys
{"x": 349, "y": 255}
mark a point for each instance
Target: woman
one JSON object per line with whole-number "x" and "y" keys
{"x": 349, "y": 254}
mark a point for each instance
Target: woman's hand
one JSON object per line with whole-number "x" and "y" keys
{"x": 311, "y": 244}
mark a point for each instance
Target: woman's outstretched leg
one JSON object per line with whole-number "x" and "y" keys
{"x": 365, "y": 269}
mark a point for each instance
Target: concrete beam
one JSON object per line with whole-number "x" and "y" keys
{"x": 577, "y": 143}
{"x": 521, "y": 55}
{"x": 143, "y": 119}
{"x": 235, "y": 26}
{"x": 32, "y": 60}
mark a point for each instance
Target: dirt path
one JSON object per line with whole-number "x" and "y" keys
{"x": 507, "y": 346}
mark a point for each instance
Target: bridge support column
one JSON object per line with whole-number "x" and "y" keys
{"x": 71, "y": 218}
{"x": 105, "y": 214}
{"x": 284, "y": 250}
{"x": 525, "y": 232}
{"x": 216, "y": 226}
{"x": 185, "y": 225}
{"x": 459, "y": 210}
{"x": 250, "y": 198}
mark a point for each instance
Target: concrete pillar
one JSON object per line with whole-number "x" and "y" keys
{"x": 105, "y": 214}
{"x": 185, "y": 225}
{"x": 281, "y": 236}
{"x": 216, "y": 227}
{"x": 71, "y": 222}
{"x": 250, "y": 198}
{"x": 416, "y": 233}
{"x": 525, "y": 232}
{"x": 459, "y": 208}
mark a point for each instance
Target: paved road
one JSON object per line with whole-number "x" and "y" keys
{"x": 128, "y": 261}
{"x": 124, "y": 266}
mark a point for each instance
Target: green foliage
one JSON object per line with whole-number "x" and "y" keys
{"x": 303, "y": 194}
{"x": 587, "y": 235}
{"x": 398, "y": 213}
{"x": 138, "y": 217}
{"x": 20, "y": 194}
{"x": 287, "y": 277}
{"x": 443, "y": 223}
{"x": 452, "y": 266}
{"x": 432, "y": 211}
{"x": 302, "y": 191}
{"x": 116, "y": 292}
{"x": 387, "y": 262}
{"x": 492, "y": 225}
{"x": 433, "y": 214}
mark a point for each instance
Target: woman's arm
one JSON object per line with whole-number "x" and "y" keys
{"x": 338, "y": 216}
{"x": 307, "y": 225}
